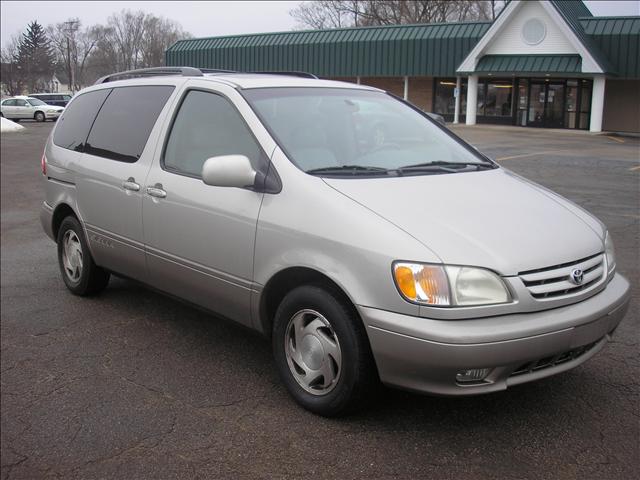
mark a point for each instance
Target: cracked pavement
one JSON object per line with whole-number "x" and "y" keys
{"x": 133, "y": 384}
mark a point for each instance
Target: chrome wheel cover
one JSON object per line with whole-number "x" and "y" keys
{"x": 313, "y": 352}
{"x": 72, "y": 256}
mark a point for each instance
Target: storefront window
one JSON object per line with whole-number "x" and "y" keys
{"x": 498, "y": 98}
{"x": 445, "y": 101}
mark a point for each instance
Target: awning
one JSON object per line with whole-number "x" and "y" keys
{"x": 530, "y": 64}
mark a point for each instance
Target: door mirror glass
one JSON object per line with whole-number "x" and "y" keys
{"x": 228, "y": 171}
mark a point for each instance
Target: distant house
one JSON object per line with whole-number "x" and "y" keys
{"x": 58, "y": 82}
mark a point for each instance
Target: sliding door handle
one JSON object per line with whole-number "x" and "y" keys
{"x": 156, "y": 191}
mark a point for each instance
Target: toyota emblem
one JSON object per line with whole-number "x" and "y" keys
{"x": 577, "y": 276}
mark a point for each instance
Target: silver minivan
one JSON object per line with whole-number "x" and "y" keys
{"x": 405, "y": 257}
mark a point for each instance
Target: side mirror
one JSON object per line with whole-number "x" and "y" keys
{"x": 228, "y": 171}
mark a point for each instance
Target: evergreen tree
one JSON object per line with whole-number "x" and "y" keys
{"x": 35, "y": 56}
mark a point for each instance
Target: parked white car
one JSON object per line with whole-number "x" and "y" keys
{"x": 21, "y": 107}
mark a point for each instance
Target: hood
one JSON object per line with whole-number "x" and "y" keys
{"x": 492, "y": 219}
{"x": 55, "y": 107}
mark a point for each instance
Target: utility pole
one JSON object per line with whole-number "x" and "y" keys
{"x": 70, "y": 28}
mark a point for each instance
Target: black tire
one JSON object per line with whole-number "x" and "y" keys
{"x": 358, "y": 375}
{"x": 39, "y": 117}
{"x": 91, "y": 279}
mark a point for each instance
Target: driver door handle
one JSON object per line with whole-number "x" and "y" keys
{"x": 156, "y": 191}
{"x": 130, "y": 184}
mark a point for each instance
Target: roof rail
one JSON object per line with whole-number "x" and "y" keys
{"x": 217, "y": 70}
{"x": 185, "y": 72}
{"x": 291, "y": 74}
{"x": 150, "y": 72}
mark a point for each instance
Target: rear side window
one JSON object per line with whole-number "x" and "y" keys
{"x": 123, "y": 125}
{"x": 206, "y": 126}
{"x": 73, "y": 127}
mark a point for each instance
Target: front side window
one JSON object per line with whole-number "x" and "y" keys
{"x": 328, "y": 130}
{"x": 207, "y": 125}
{"x": 22, "y": 103}
{"x": 122, "y": 127}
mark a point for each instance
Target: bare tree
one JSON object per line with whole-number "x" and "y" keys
{"x": 160, "y": 34}
{"x": 72, "y": 48}
{"x": 348, "y": 13}
{"x": 12, "y": 78}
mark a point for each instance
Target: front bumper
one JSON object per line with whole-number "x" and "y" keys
{"x": 424, "y": 355}
{"x": 50, "y": 115}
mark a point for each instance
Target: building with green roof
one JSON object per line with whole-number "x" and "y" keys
{"x": 539, "y": 64}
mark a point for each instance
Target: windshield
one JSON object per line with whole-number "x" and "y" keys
{"x": 35, "y": 102}
{"x": 347, "y": 131}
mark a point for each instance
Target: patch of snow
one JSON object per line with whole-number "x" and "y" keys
{"x": 9, "y": 126}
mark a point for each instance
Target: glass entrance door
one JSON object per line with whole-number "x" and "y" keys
{"x": 537, "y": 101}
{"x": 546, "y": 105}
{"x": 554, "y": 111}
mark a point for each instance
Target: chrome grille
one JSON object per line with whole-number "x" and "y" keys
{"x": 556, "y": 281}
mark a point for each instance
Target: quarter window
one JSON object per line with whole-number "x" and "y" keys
{"x": 122, "y": 127}
{"x": 73, "y": 127}
{"x": 207, "y": 125}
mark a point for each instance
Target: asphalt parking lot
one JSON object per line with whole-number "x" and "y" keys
{"x": 132, "y": 384}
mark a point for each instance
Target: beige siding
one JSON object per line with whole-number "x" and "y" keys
{"x": 622, "y": 106}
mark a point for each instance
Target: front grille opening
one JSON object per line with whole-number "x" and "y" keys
{"x": 566, "y": 291}
{"x": 555, "y": 281}
{"x": 548, "y": 362}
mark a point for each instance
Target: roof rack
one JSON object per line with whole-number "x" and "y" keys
{"x": 291, "y": 74}
{"x": 150, "y": 72}
{"x": 185, "y": 72}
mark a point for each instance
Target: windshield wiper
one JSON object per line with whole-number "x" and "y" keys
{"x": 349, "y": 170}
{"x": 451, "y": 167}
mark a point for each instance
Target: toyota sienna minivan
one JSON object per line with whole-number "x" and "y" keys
{"x": 408, "y": 258}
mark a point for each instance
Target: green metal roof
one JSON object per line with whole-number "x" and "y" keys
{"x": 533, "y": 64}
{"x": 573, "y": 11}
{"x": 415, "y": 50}
{"x": 618, "y": 38}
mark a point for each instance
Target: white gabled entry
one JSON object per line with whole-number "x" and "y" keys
{"x": 504, "y": 37}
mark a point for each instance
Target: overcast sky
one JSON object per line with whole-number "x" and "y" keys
{"x": 202, "y": 19}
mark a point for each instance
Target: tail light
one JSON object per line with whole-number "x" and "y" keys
{"x": 43, "y": 163}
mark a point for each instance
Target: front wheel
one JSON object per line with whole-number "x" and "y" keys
{"x": 79, "y": 272}
{"x": 39, "y": 116}
{"x": 322, "y": 352}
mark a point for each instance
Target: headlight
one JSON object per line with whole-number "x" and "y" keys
{"x": 444, "y": 286}
{"x": 51, "y": 111}
{"x": 610, "y": 253}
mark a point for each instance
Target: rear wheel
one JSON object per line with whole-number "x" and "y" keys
{"x": 39, "y": 116}
{"x": 322, "y": 352}
{"x": 79, "y": 272}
